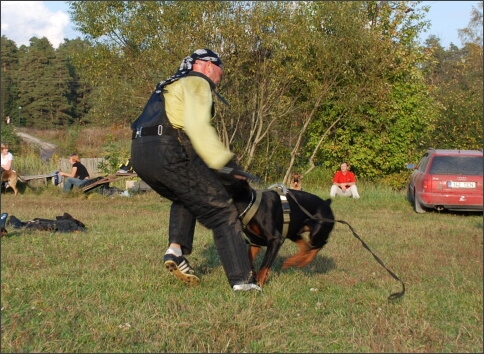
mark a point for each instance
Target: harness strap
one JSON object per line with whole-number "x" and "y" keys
{"x": 253, "y": 209}
{"x": 286, "y": 209}
{"x": 286, "y": 213}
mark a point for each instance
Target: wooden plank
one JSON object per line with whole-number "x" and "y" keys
{"x": 129, "y": 174}
{"x": 28, "y": 178}
{"x": 105, "y": 180}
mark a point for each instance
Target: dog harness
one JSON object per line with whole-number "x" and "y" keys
{"x": 286, "y": 209}
{"x": 254, "y": 204}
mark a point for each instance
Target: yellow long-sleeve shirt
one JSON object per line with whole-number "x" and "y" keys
{"x": 188, "y": 106}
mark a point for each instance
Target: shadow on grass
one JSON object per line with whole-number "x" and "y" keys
{"x": 24, "y": 187}
{"x": 454, "y": 212}
{"x": 320, "y": 265}
{"x": 11, "y": 233}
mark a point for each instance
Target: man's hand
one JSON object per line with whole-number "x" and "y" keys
{"x": 233, "y": 171}
{"x": 239, "y": 174}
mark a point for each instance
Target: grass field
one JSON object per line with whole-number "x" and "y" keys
{"x": 106, "y": 290}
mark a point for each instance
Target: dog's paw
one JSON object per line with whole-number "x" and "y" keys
{"x": 262, "y": 276}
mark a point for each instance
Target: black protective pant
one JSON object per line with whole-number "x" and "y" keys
{"x": 177, "y": 173}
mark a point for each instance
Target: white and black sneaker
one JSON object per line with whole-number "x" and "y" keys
{"x": 247, "y": 286}
{"x": 181, "y": 269}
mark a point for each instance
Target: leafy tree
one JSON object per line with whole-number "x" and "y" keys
{"x": 391, "y": 114}
{"x": 455, "y": 77}
{"x": 375, "y": 110}
{"x": 134, "y": 45}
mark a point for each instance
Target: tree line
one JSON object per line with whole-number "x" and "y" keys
{"x": 309, "y": 83}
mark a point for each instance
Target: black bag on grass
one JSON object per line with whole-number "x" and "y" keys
{"x": 64, "y": 223}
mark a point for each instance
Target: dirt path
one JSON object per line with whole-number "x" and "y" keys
{"x": 46, "y": 149}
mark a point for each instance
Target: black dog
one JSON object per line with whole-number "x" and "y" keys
{"x": 308, "y": 214}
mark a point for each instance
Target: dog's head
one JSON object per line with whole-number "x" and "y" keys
{"x": 327, "y": 217}
{"x": 296, "y": 181}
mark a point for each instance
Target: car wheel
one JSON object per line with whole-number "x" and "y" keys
{"x": 409, "y": 194}
{"x": 417, "y": 206}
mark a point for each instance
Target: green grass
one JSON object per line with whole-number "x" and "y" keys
{"x": 106, "y": 290}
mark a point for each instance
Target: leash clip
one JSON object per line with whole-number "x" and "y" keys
{"x": 160, "y": 129}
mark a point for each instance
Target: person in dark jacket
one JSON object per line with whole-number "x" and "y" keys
{"x": 178, "y": 153}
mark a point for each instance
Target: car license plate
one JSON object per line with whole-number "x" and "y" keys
{"x": 452, "y": 184}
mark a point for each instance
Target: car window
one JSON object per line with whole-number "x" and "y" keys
{"x": 456, "y": 165}
{"x": 422, "y": 165}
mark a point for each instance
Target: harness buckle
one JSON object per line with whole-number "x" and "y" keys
{"x": 160, "y": 129}
{"x": 138, "y": 133}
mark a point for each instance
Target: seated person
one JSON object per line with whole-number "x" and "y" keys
{"x": 78, "y": 175}
{"x": 344, "y": 183}
{"x": 7, "y": 158}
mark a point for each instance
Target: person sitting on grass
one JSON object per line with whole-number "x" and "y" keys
{"x": 7, "y": 158}
{"x": 78, "y": 175}
{"x": 344, "y": 183}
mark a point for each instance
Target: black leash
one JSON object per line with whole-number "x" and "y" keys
{"x": 393, "y": 296}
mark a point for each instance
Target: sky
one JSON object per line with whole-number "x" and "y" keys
{"x": 21, "y": 20}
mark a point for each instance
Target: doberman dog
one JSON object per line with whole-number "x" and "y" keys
{"x": 266, "y": 219}
{"x": 11, "y": 177}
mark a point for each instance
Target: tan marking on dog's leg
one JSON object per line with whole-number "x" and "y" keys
{"x": 308, "y": 257}
{"x": 294, "y": 260}
{"x": 253, "y": 251}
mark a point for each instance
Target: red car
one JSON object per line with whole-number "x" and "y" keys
{"x": 447, "y": 180}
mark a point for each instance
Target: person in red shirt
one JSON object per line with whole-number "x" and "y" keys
{"x": 344, "y": 183}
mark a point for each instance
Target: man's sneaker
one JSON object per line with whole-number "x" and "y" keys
{"x": 250, "y": 285}
{"x": 181, "y": 269}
